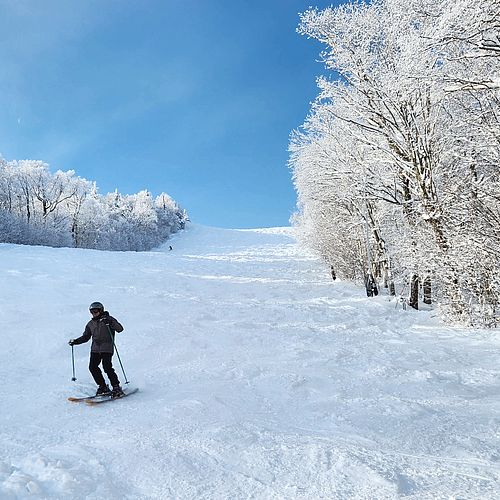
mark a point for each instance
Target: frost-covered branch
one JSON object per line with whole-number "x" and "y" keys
{"x": 405, "y": 147}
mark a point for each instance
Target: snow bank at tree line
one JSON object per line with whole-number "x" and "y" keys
{"x": 259, "y": 378}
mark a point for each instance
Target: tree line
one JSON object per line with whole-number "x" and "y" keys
{"x": 396, "y": 166}
{"x": 60, "y": 209}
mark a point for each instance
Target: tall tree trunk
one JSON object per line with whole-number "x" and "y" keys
{"x": 427, "y": 285}
{"x": 414, "y": 282}
{"x": 384, "y": 262}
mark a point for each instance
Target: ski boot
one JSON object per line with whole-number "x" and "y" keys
{"x": 102, "y": 390}
{"x": 116, "y": 392}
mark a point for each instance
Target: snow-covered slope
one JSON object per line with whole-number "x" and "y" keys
{"x": 259, "y": 378}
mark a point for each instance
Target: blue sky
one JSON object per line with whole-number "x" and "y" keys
{"x": 196, "y": 98}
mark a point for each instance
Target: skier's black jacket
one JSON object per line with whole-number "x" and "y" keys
{"x": 102, "y": 331}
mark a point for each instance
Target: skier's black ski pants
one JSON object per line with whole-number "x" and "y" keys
{"x": 95, "y": 360}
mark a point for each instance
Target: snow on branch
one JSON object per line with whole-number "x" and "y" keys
{"x": 396, "y": 165}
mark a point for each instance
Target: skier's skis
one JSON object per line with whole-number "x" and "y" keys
{"x": 88, "y": 398}
{"x": 106, "y": 399}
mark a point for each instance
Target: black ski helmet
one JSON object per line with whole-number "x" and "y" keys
{"x": 96, "y": 305}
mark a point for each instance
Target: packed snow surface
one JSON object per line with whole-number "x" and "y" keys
{"x": 258, "y": 377}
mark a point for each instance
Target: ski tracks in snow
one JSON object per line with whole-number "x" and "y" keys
{"x": 259, "y": 376}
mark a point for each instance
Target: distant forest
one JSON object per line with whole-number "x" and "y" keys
{"x": 60, "y": 209}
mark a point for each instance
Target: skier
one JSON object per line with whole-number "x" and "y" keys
{"x": 101, "y": 328}
{"x": 334, "y": 275}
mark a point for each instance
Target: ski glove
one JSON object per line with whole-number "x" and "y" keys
{"x": 71, "y": 342}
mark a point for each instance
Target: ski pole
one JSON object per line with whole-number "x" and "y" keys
{"x": 117, "y": 353}
{"x": 73, "y": 378}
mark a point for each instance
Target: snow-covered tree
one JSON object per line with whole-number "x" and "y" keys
{"x": 405, "y": 142}
{"x": 62, "y": 209}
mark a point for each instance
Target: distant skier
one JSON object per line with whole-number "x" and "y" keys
{"x": 101, "y": 328}
{"x": 334, "y": 275}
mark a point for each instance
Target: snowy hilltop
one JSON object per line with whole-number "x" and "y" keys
{"x": 258, "y": 376}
